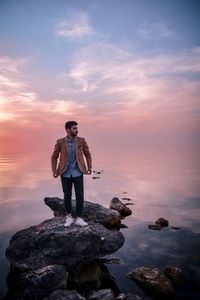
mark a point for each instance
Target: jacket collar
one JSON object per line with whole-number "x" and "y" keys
{"x": 66, "y": 138}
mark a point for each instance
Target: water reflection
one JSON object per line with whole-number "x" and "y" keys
{"x": 160, "y": 185}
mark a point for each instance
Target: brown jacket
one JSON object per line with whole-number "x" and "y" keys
{"x": 61, "y": 147}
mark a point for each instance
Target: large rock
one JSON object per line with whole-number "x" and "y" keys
{"x": 153, "y": 282}
{"x": 117, "y": 205}
{"x": 92, "y": 275}
{"x": 128, "y": 296}
{"x": 163, "y": 222}
{"x": 92, "y": 212}
{"x": 105, "y": 294}
{"x": 64, "y": 295}
{"x": 52, "y": 243}
{"x": 86, "y": 276}
{"x": 36, "y": 284}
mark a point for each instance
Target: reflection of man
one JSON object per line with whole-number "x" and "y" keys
{"x": 71, "y": 168}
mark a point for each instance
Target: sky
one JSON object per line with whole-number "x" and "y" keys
{"x": 125, "y": 70}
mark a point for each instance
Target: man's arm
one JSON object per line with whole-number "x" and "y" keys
{"x": 54, "y": 157}
{"x": 87, "y": 154}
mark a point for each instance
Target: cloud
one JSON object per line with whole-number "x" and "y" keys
{"x": 147, "y": 93}
{"x": 10, "y": 70}
{"x": 18, "y": 102}
{"x": 155, "y": 30}
{"x": 101, "y": 64}
{"x": 105, "y": 83}
{"x": 26, "y": 109}
{"x": 77, "y": 25}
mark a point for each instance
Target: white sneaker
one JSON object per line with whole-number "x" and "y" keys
{"x": 79, "y": 221}
{"x": 69, "y": 220}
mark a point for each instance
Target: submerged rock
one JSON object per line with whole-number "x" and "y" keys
{"x": 117, "y": 205}
{"x": 175, "y": 227}
{"x": 155, "y": 284}
{"x": 159, "y": 224}
{"x": 111, "y": 260}
{"x": 92, "y": 212}
{"x": 122, "y": 226}
{"x": 36, "y": 284}
{"x": 155, "y": 226}
{"x": 175, "y": 274}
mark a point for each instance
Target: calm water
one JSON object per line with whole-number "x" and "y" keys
{"x": 160, "y": 185}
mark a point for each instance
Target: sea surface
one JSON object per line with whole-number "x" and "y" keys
{"x": 160, "y": 184}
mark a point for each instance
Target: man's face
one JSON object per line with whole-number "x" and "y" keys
{"x": 73, "y": 130}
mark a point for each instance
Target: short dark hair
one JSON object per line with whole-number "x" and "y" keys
{"x": 69, "y": 124}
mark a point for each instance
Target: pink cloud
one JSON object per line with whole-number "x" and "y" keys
{"x": 126, "y": 95}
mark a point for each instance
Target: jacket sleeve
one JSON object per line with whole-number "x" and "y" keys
{"x": 87, "y": 154}
{"x": 54, "y": 156}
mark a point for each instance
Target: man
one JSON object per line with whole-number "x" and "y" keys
{"x": 71, "y": 168}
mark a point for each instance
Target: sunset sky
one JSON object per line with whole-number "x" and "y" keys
{"x": 123, "y": 69}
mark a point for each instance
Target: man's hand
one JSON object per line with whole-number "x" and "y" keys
{"x": 55, "y": 175}
{"x": 89, "y": 171}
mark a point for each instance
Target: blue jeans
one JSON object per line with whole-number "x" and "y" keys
{"x": 79, "y": 192}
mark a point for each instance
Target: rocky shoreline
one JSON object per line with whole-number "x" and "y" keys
{"x": 49, "y": 261}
